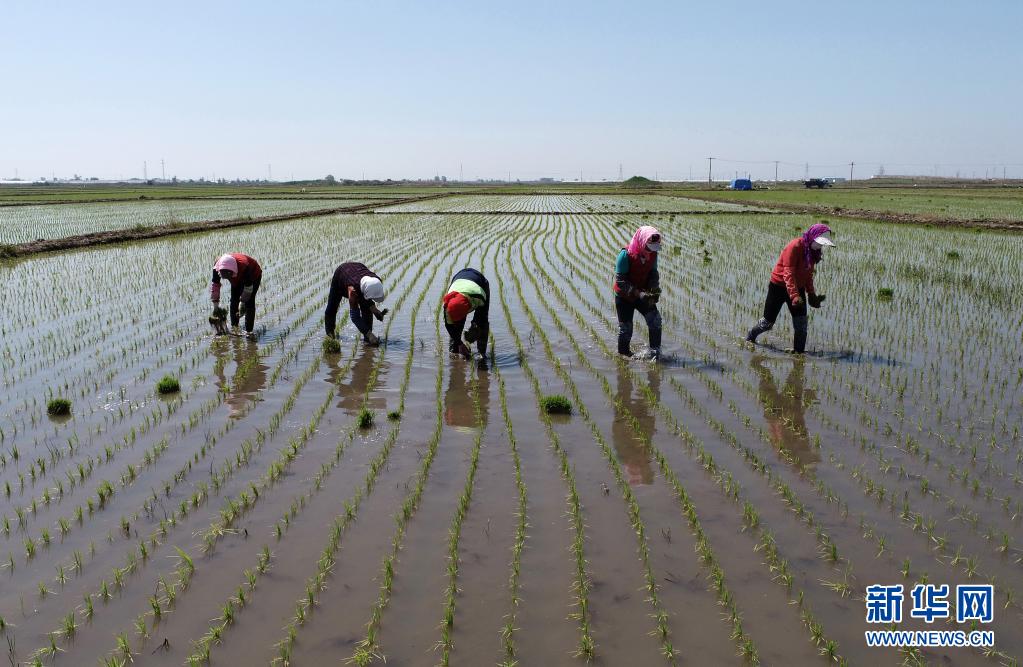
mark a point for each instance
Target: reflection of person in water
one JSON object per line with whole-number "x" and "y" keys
{"x": 630, "y": 449}
{"x": 785, "y": 410}
{"x": 249, "y": 373}
{"x": 458, "y": 407}
{"x": 353, "y": 392}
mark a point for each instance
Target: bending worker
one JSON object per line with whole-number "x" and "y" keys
{"x": 364, "y": 290}
{"x": 469, "y": 293}
{"x": 245, "y": 275}
{"x": 637, "y": 288}
{"x": 792, "y": 284}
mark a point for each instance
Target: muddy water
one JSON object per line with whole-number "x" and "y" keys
{"x": 924, "y": 410}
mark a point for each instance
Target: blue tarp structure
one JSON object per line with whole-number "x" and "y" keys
{"x": 741, "y": 184}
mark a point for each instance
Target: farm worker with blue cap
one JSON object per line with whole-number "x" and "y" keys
{"x": 469, "y": 292}
{"x": 792, "y": 284}
{"x": 364, "y": 290}
{"x": 245, "y": 276}
{"x": 637, "y": 289}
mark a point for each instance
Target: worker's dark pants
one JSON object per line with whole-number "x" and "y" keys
{"x": 778, "y": 296}
{"x": 626, "y": 311}
{"x": 250, "y": 308}
{"x": 362, "y": 317}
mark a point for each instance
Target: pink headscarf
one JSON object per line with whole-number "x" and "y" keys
{"x": 637, "y": 246}
{"x": 227, "y": 261}
{"x": 813, "y": 256}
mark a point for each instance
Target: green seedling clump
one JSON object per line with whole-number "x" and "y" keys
{"x": 168, "y": 384}
{"x": 885, "y": 294}
{"x": 394, "y": 415}
{"x": 556, "y": 404}
{"x": 59, "y": 407}
{"x": 331, "y": 346}
{"x": 365, "y": 418}
{"x": 952, "y": 255}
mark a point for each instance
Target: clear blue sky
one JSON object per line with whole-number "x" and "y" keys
{"x": 395, "y": 89}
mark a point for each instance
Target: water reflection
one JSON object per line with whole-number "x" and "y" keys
{"x": 353, "y": 392}
{"x": 785, "y": 410}
{"x": 249, "y": 372}
{"x": 631, "y": 452}
{"x": 458, "y": 408}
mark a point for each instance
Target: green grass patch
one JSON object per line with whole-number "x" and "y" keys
{"x": 885, "y": 294}
{"x": 394, "y": 415}
{"x": 58, "y": 407}
{"x": 168, "y": 384}
{"x": 331, "y": 346}
{"x": 365, "y": 418}
{"x": 556, "y": 404}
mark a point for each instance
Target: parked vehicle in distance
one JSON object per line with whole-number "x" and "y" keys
{"x": 817, "y": 183}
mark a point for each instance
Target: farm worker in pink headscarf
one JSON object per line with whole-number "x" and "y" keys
{"x": 792, "y": 284}
{"x": 245, "y": 275}
{"x": 637, "y": 288}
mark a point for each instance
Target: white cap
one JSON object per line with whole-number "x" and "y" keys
{"x": 824, "y": 240}
{"x": 372, "y": 288}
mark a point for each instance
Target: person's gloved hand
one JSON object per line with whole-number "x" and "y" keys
{"x": 472, "y": 334}
{"x": 815, "y": 300}
{"x": 379, "y": 314}
{"x": 653, "y": 296}
{"x": 641, "y": 295}
{"x": 798, "y": 301}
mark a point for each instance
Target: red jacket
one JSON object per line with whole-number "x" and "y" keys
{"x": 792, "y": 270}
{"x": 249, "y": 272}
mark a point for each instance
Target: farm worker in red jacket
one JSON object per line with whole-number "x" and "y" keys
{"x": 363, "y": 290}
{"x": 469, "y": 292}
{"x": 637, "y": 288}
{"x": 792, "y": 284}
{"x": 244, "y": 274}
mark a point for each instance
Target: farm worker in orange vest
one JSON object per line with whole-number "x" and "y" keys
{"x": 637, "y": 288}
{"x": 469, "y": 292}
{"x": 245, "y": 275}
{"x": 792, "y": 284}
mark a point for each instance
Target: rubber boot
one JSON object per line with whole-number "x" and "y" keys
{"x": 371, "y": 339}
{"x": 624, "y": 339}
{"x": 653, "y": 321}
{"x": 800, "y": 326}
{"x": 759, "y": 328}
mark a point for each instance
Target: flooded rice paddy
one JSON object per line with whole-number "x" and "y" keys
{"x": 727, "y": 505}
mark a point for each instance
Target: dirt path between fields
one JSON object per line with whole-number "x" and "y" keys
{"x": 157, "y": 231}
{"x": 870, "y": 214}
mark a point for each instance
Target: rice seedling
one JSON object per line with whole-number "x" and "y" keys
{"x": 58, "y": 407}
{"x": 168, "y": 384}
{"x": 556, "y": 404}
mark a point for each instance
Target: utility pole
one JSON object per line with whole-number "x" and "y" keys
{"x": 580, "y": 175}
{"x": 620, "y": 177}
{"x": 851, "y": 164}
{"x": 710, "y": 169}
{"x": 163, "y": 171}
{"x": 806, "y": 170}
{"x": 461, "y": 177}
{"x": 776, "y": 172}
{"x": 145, "y": 171}
{"x": 269, "y": 173}
{"x": 1003, "y": 172}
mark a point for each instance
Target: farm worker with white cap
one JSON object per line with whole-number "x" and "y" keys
{"x": 364, "y": 290}
{"x": 637, "y": 288}
{"x": 792, "y": 284}
{"x": 245, "y": 275}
